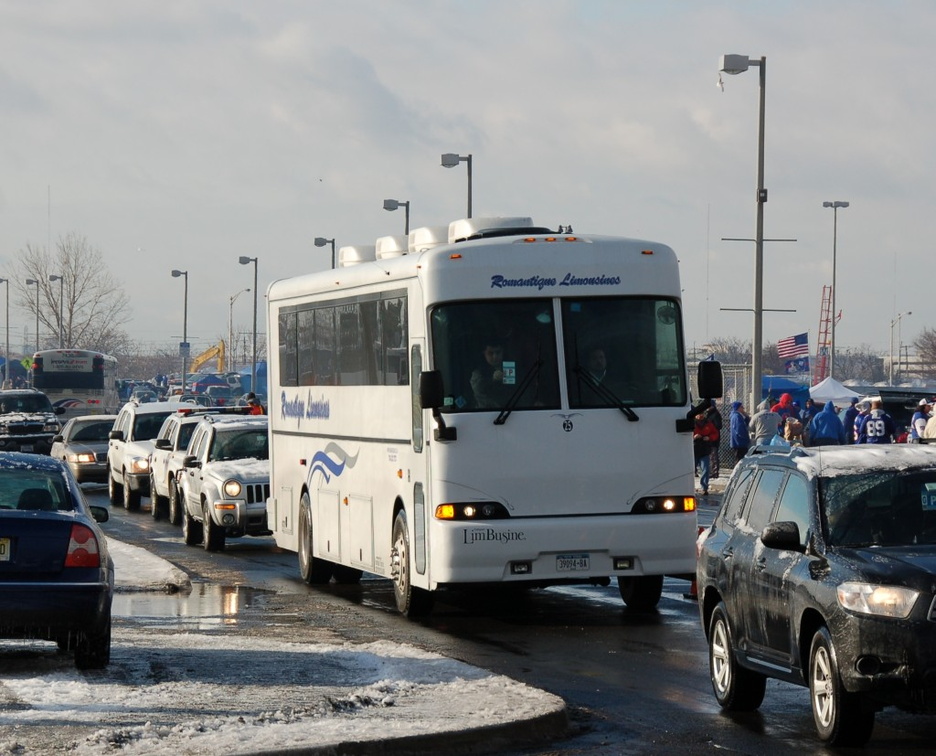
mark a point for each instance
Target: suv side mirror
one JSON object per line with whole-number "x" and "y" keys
{"x": 191, "y": 461}
{"x": 782, "y": 535}
{"x": 163, "y": 443}
{"x": 116, "y": 435}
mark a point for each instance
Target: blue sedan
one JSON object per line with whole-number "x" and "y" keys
{"x": 56, "y": 577}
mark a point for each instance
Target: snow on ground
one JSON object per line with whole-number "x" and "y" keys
{"x": 224, "y": 691}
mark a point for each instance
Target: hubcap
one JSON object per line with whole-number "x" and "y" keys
{"x": 823, "y": 688}
{"x": 721, "y": 666}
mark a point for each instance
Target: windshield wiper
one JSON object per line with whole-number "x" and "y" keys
{"x": 518, "y": 392}
{"x": 604, "y": 392}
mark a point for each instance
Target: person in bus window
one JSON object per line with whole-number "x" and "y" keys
{"x": 492, "y": 382}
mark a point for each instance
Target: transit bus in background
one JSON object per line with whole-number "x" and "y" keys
{"x": 83, "y": 382}
{"x": 498, "y": 404}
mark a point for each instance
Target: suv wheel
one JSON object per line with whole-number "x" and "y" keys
{"x": 736, "y": 688}
{"x": 131, "y": 498}
{"x": 175, "y": 506}
{"x": 841, "y": 718}
{"x": 191, "y": 530}
{"x": 158, "y": 504}
{"x": 214, "y": 533}
{"x": 114, "y": 489}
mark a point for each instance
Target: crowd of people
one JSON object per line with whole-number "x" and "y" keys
{"x": 786, "y": 423}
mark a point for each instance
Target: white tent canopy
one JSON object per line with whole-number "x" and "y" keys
{"x": 830, "y": 390}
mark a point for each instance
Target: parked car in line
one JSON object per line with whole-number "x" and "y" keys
{"x": 129, "y": 448}
{"x": 220, "y": 396}
{"x": 225, "y": 480}
{"x": 199, "y": 399}
{"x": 28, "y": 421}
{"x": 820, "y": 569}
{"x": 82, "y": 445}
{"x": 56, "y": 576}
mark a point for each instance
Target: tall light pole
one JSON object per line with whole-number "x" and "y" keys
{"x": 450, "y": 160}
{"x": 392, "y": 204}
{"x": 231, "y": 325}
{"x": 6, "y": 364}
{"x": 61, "y": 280}
{"x": 735, "y": 64}
{"x": 835, "y": 208}
{"x": 894, "y": 322}
{"x": 184, "y": 346}
{"x": 253, "y": 368}
{"x": 30, "y": 282}
{"x": 321, "y": 241}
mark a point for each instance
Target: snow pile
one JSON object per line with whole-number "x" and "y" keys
{"x": 136, "y": 569}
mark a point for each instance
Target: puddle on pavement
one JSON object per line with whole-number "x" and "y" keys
{"x": 204, "y": 607}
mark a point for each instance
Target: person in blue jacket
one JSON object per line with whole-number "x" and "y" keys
{"x": 826, "y": 429}
{"x": 877, "y": 427}
{"x": 740, "y": 437}
{"x": 851, "y": 414}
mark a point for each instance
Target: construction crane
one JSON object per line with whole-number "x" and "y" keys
{"x": 209, "y": 354}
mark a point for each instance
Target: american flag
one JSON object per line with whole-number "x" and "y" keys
{"x": 793, "y": 346}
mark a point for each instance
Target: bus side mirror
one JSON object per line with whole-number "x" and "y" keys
{"x": 432, "y": 396}
{"x": 710, "y": 383}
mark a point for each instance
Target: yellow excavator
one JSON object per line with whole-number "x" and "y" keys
{"x": 209, "y": 354}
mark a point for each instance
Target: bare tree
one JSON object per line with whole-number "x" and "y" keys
{"x": 925, "y": 346}
{"x": 86, "y": 306}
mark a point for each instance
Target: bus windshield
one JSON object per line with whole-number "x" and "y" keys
{"x": 617, "y": 350}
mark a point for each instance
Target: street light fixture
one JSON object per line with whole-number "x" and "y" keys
{"x": 321, "y": 241}
{"x": 835, "y": 208}
{"x": 231, "y": 328}
{"x": 6, "y": 364}
{"x": 894, "y": 322}
{"x": 30, "y": 282}
{"x": 253, "y": 368}
{"x": 392, "y": 204}
{"x": 450, "y": 160}
{"x": 184, "y": 346}
{"x": 735, "y": 64}
{"x": 61, "y": 281}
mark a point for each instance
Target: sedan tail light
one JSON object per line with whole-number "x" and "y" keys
{"x": 82, "y": 548}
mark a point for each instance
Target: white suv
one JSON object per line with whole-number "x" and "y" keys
{"x": 129, "y": 448}
{"x": 170, "y": 448}
{"x": 225, "y": 480}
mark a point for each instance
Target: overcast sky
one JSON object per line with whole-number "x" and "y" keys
{"x": 181, "y": 134}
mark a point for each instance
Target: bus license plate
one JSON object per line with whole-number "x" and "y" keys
{"x": 4, "y": 549}
{"x": 26, "y": 448}
{"x": 572, "y": 562}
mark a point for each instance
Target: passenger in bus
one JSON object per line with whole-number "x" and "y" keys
{"x": 491, "y": 382}
{"x": 597, "y": 364}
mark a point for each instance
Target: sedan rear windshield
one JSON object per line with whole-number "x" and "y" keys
{"x": 36, "y": 490}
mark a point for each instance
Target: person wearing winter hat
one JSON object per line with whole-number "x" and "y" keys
{"x": 740, "y": 437}
{"x": 851, "y": 414}
{"x": 918, "y": 421}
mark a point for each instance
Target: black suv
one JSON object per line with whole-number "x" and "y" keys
{"x": 820, "y": 569}
{"x": 28, "y": 421}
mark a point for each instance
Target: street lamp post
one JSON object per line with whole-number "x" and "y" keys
{"x": 392, "y": 204}
{"x": 30, "y": 282}
{"x": 450, "y": 160}
{"x": 184, "y": 346}
{"x": 231, "y": 327}
{"x": 835, "y": 208}
{"x": 735, "y": 64}
{"x": 253, "y": 368}
{"x": 61, "y": 280}
{"x": 321, "y": 241}
{"x": 894, "y": 322}
{"x": 6, "y": 364}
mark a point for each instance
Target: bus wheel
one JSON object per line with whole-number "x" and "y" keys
{"x": 641, "y": 593}
{"x": 314, "y": 571}
{"x": 114, "y": 489}
{"x": 131, "y": 498}
{"x": 411, "y": 601}
{"x": 175, "y": 508}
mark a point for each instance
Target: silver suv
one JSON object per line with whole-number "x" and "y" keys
{"x": 225, "y": 480}
{"x": 129, "y": 448}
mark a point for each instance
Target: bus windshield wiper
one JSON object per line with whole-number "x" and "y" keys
{"x": 604, "y": 392}
{"x": 518, "y": 392}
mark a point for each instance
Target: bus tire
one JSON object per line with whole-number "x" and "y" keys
{"x": 410, "y": 601}
{"x": 114, "y": 489}
{"x": 641, "y": 593}
{"x": 131, "y": 498}
{"x": 313, "y": 571}
{"x": 175, "y": 506}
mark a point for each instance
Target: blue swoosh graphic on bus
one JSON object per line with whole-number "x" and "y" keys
{"x": 331, "y": 461}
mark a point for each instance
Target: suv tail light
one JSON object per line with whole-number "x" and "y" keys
{"x": 82, "y": 548}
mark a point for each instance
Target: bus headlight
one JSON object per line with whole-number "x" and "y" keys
{"x": 482, "y": 510}
{"x": 232, "y": 488}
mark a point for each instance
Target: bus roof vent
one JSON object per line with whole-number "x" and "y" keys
{"x": 391, "y": 246}
{"x": 348, "y": 256}
{"x": 485, "y": 228}
{"x": 427, "y": 237}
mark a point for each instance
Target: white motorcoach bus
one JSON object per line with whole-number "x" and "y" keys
{"x": 505, "y": 405}
{"x": 81, "y": 381}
